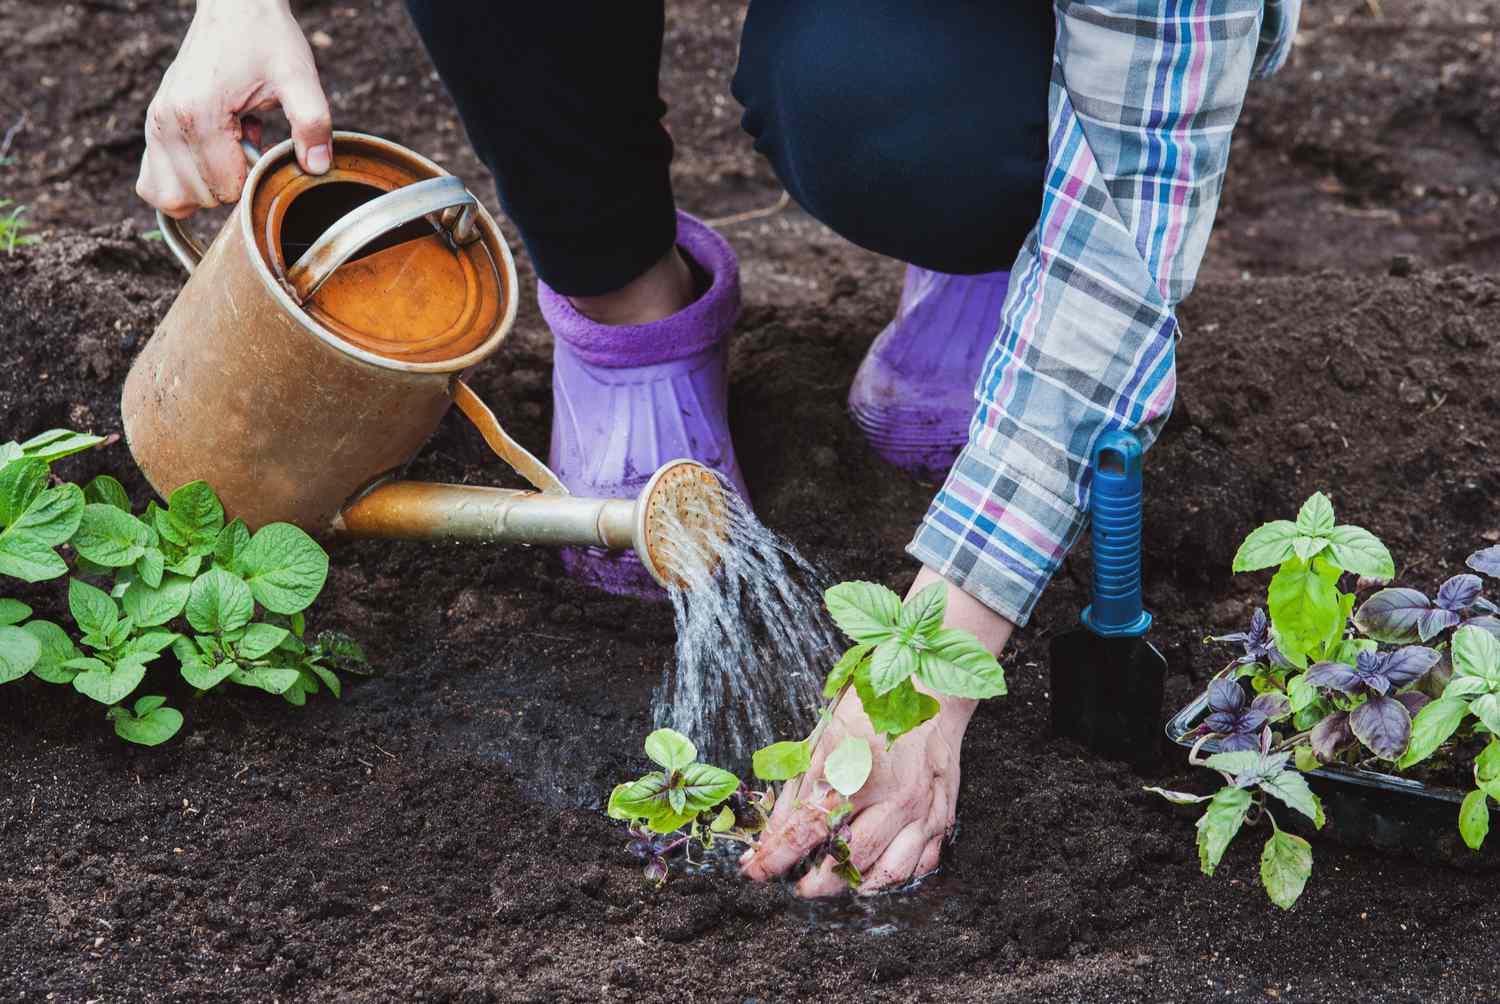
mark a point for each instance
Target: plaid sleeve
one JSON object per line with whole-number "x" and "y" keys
{"x": 1144, "y": 96}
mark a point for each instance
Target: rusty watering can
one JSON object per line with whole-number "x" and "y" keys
{"x": 320, "y": 339}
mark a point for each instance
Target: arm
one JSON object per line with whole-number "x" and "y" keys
{"x": 1141, "y": 108}
{"x": 239, "y": 56}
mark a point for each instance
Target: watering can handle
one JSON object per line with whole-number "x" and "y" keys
{"x": 183, "y": 246}
{"x": 444, "y": 195}
{"x": 520, "y": 459}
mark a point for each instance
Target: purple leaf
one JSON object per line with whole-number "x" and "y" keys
{"x": 1274, "y": 706}
{"x": 1334, "y": 676}
{"x": 1391, "y": 615}
{"x": 1486, "y": 562}
{"x": 1226, "y": 695}
{"x": 1331, "y": 735}
{"x": 1407, "y": 665}
{"x": 1413, "y": 701}
{"x": 1434, "y": 622}
{"x": 1459, "y": 592}
{"x": 1383, "y": 725}
{"x": 1220, "y": 721}
{"x": 1237, "y": 741}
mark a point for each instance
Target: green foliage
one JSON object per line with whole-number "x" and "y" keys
{"x": 897, "y": 648}
{"x": 226, "y": 603}
{"x": 1285, "y": 866}
{"x": 12, "y": 228}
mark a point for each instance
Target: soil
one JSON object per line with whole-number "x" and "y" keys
{"x": 435, "y": 836}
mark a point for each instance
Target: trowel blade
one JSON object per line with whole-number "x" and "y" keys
{"x": 1107, "y": 694}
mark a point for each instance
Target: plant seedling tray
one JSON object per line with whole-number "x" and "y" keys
{"x": 1371, "y": 809}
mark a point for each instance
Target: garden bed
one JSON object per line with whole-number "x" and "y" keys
{"x": 435, "y": 835}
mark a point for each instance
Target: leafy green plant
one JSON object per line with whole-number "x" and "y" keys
{"x": 688, "y": 805}
{"x": 1356, "y": 687}
{"x": 225, "y": 602}
{"x": 12, "y": 228}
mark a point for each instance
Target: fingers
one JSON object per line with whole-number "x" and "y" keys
{"x": 306, "y": 109}
{"x": 900, "y": 860}
{"x": 783, "y": 845}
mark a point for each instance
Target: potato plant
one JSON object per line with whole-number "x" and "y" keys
{"x": 688, "y": 805}
{"x": 227, "y": 603}
{"x": 1384, "y": 686}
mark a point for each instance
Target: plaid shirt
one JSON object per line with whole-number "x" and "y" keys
{"x": 1144, "y": 96}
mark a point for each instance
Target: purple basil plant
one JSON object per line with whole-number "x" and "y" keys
{"x": 1382, "y": 720}
{"x": 1259, "y": 643}
{"x": 1236, "y": 719}
{"x": 1402, "y": 615}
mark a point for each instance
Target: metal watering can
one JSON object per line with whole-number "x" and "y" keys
{"x": 320, "y": 339}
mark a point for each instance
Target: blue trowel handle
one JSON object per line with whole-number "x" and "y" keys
{"x": 1116, "y": 510}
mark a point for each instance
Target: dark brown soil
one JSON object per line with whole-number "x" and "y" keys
{"x": 433, "y": 836}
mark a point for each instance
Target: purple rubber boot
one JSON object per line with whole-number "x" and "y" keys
{"x": 628, "y": 398}
{"x": 913, "y": 396}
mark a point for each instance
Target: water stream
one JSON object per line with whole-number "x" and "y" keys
{"x": 753, "y": 641}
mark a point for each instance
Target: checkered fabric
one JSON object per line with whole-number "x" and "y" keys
{"x": 1144, "y": 96}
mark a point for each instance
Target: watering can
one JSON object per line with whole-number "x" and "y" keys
{"x": 320, "y": 339}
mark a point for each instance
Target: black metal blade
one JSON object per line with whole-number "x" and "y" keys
{"x": 1107, "y": 694}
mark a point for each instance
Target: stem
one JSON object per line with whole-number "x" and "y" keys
{"x": 825, "y": 716}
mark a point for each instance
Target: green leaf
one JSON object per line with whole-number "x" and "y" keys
{"x": 865, "y": 611}
{"x": 330, "y": 680}
{"x": 1266, "y": 545}
{"x": 891, "y": 664}
{"x": 261, "y": 639}
{"x": 1219, "y": 824}
{"x": 671, "y": 749}
{"x": 1487, "y": 763}
{"x": 270, "y": 679}
{"x": 923, "y": 613}
{"x": 21, "y": 481}
{"x": 151, "y": 727}
{"x": 897, "y": 713}
{"x": 19, "y": 653}
{"x": 58, "y": 443}
{"x": 56, "y": 649}
{"x": 1291, "y": 788}
{"x": 110, "y": 686}
{"x": 1305, "y": 758}
{"x": 194, "y": 516}
{"x": 26, "y": 546}
{"x": 1486, "y": 707}
{"x": 188, "y": 565}
{"x": 218, "y": 602}
{"x": 1307, "y": 548}
{"x": 613, "y": 808}
{"x": 206, "y": 675}
{"x": 848, "y": 766}
{"x": 106, "y": 536}
{"x": 1474, "y": 819}
{"x": 149, "y": 643}
{"x": 1285, "y": 866}
{"x": 704, "y": 786}
{"x": 724, "y": 821}
{"x": 150, "y": 607}
{"x": 148, "y": 704}
{"x": 105, "y": 490}
{"x": 1300, "y": 693}
{"x": 1357, "y": 550}
{"x": 647, "y": 799}
{"x": 1476, "y": 652}
{"x": 151, "y": 566}
{"x": 958, "y": 665}
{"x": 92, "y": 609}
{"x": 231, "y": 543}
{"x": 1304, "y": 604}
{"x": 782, "y": 761}
{"x": 843, "y": 670}
{"x": 1236, "y": 762}
{"x": 1316, "y": 516}
{"x": 13, "y": 612}
{"x": 284, "y": 567}
{"x": 1431, "y": 728}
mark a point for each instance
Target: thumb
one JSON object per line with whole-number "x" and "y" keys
{"x": 306, "y": 110}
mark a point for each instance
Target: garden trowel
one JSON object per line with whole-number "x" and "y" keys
{"x": 1106, "y": 677}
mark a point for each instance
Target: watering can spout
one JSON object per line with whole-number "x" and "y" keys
{"x": 677, "y": 525}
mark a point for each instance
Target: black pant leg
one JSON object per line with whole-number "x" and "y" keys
{"x": 917, "y": 130}
{"x": 560, "y": 101}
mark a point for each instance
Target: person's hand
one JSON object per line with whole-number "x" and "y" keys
{"x": 905, "y": 810}
{"x": 239, "y": 56}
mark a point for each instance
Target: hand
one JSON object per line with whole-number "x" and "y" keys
{"x": 239, "y": 56}
{"x": 906, "y": 809}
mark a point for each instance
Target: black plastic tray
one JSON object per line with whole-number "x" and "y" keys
{"x": 1369, "y": 809}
